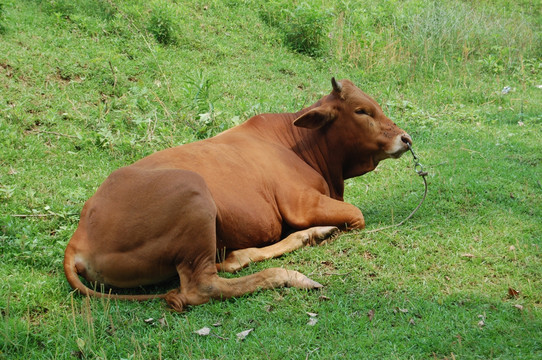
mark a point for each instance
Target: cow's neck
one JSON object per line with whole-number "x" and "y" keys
{"x": 313, "y": 148}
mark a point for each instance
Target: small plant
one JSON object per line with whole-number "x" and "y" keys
{"x": 197, "y": 91}
{"x": 162, "y": 27}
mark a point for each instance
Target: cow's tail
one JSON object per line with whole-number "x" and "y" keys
{"x": 75, "y": 282}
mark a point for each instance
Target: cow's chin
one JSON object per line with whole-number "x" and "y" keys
{"x": 397, "y": 154}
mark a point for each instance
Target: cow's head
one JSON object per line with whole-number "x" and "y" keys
{"x": 355, "y": 129}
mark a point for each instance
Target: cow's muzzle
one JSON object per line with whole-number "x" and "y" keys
{"x": 406, "y": 139}
{"x": 399, "y": 146}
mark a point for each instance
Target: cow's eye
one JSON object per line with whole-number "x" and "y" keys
{"x": 361, "y": 112}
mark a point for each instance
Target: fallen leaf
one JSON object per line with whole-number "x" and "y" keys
{"x": 323, "y": 298}
{"x": 371, "y": 314}
{"x": 203, "y": 331}
{"x": 411, "y": 321}
{"x": 312, "y": 314}
{"x": 467, "y": 255}
{"x": 512, "y": 248}
{"x": 482, "y": 322}
{"x": 162, "y": 321}
{"x": 243, "y": 334}
{"x": 312, "y": 321}
{"x": 404, "y": 311}
{"x": 149, "y": 321}
{"x": 217, "y": 324}
{"x": 519, "y": 307}
{"x": 513, "y": 293}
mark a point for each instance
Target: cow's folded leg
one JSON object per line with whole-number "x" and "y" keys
{"x": 239, "y": 259}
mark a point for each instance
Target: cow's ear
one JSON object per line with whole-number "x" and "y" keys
{"x": 316, "y": 118}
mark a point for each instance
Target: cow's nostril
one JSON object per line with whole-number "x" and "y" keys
{"x": 406, "y": 139}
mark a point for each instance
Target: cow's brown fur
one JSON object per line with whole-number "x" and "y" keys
{"x": 237, "y": 193}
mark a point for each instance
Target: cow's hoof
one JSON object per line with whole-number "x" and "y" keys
{"x": 324, "y": 234}
{"x": 175, "y": 300}
{"x": 298, "y": 280}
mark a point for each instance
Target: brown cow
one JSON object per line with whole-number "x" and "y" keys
{"x": 236, "y": 194}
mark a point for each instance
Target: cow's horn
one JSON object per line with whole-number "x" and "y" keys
{"x": 336, "y": 85}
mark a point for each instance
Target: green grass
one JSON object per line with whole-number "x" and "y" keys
{"x": 89, "y": 86}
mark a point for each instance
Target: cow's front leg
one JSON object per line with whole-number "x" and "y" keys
{"x": 316, "y": 209}
{"x": 238, "y": 259}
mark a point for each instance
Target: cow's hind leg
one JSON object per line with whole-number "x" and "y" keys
{"x": 196, "y": 260}
{"x": 239, "y": 259}
{"x": 200, "y": 281}
{"x": 196, "y": 291}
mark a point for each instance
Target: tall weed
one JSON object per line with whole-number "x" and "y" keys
{"x": 162, "y": 26}
{"x": 424, "y": 37}
{"x": 304, "y": 27}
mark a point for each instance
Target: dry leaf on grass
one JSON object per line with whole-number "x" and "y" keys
{"x": 313, "y": 320}
{"x": 468, "y": 255}
{"x": 243, "y": 334}
{"x": 371, "y": 314}
{"x": 203, "y": 331}
{"x": 519, "y": 307}
{"x": 482, "y": 322}
{"x": 513, "y": 293}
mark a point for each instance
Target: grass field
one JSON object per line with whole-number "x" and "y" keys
{"x": 89, "y": 86}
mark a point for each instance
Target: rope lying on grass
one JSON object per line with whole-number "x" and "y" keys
{"x": 419, "y": 170}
